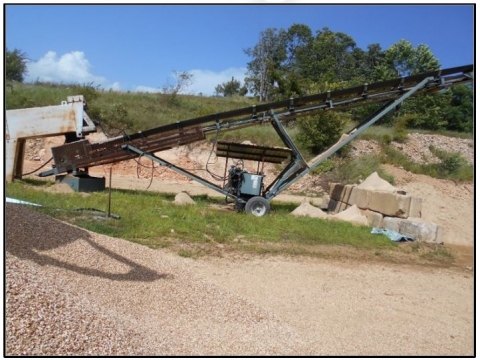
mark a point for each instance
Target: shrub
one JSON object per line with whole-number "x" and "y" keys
{"x": 317, "y": 133}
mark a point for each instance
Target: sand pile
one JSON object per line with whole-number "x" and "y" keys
{"x": 183, "y": 198}
{"x": 353, "y": 215}
{"x": 376, "y": 183}
{"x": 306, "y": 209}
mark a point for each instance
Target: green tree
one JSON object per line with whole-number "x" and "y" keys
{"x": 15, "y": 65}
{"x": 402, "y": 59}
{"x": 264, "y": 71}
{"x": 459, "y": 115}
{"x": 318, "y": 132}
{"x": 298, "y": 46}
{"x": 230, "y": 88}
{"x": 331, "y": 52}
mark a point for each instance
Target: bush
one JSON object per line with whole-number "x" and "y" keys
{"x": 323, "y": 167}
{"x": 317, "y": 133}
{"x": 400, "y": 127}
{"x": 451, "y": 163}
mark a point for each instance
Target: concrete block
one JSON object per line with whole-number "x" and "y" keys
{"x": 324, "y": 203}
{"x": 347, "y": 191}
{"x": 419, "y": 230}
{"x": 340, "y": 192}
{"x": 375, "y": 219}
{"x": 415, "y": 207}
{"x": 391, "y": 223}
{"x": 336, "y": 190}
{"x": 336, "y": 206}
{"x": 343, "y": 206}
{"x": 359, "y": 197}
{"x": 389, "y": 204}
{"x": 333, "y": 206}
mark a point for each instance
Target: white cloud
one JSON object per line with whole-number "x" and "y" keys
{"x": 115, "y": 86}
{"x": 147, "y": 89}
{"x": 205, "y": 81}
{"x": 72, "y": 67}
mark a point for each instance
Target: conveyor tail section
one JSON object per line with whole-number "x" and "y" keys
{"x": 82, "y": 154}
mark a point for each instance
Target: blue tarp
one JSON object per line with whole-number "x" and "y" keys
{"x": 392, "y": 235}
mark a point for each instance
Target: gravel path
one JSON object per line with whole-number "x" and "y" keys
{"x": 103, "y": 296}
{"x": 73, "y": 292}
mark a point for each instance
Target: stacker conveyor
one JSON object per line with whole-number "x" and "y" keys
{"x": 247, "y": 189}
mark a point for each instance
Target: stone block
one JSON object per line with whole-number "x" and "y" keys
{"x": 340, "y": 192}
{"x": 391, "y": 223}
{"x": 336, "y": 206}
{"x": 336, "y": 190}
{"x": 419, "y": 230}
{"x": 333, "y": 205}
{"x": 375, "y": 219}
{"x": 347, "y": 191}
{"x": 324, "y": 203}
{"x": 415, "y": 207}
{"x": 389, "y": 204}
{"x": 359, "y": 197}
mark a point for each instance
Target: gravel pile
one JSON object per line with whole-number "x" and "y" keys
{"x": 417, "y": 147}
{"x": 73, "y": 292}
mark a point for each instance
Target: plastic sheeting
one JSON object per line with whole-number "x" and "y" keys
{"x": 16, "y": 201}
{"x": 391, "y": 234}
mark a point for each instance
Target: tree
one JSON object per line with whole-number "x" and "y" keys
{"x": 230, "y": 88}
{"x": 298, "y": 45}
{"x": 331, "y": 53}
{"x": 459, "y": 115}
{"x": 183, "y": 80}
{"x": 15, "y": 65}
{"x": 318, "y": 132}
{"x": 402, "y": 59}
{"x": 264, "y": 69}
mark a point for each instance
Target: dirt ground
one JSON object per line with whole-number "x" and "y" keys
{"x": 351, "y": 307}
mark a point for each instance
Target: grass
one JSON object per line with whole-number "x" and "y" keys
{"x": 151, "y": 219}
{"x": 143, "y": 110}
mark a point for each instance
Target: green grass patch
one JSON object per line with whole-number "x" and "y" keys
{"x": 151, "y": 219}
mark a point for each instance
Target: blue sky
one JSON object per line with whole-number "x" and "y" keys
{"x": 137, "y": 47}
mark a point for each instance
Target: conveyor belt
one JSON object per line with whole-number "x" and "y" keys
{"x": 83, "y": 154}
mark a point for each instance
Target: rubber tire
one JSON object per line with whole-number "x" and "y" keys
{"x": 257, "y": 206}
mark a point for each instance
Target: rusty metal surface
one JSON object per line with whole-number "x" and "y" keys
{"x": 253, "y": 152}
{"x": 82, "y": 153}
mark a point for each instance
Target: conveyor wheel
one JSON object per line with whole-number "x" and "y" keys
{"x": 257, "y": 206}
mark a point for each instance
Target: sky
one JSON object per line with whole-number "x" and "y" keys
{"x": 139, "y": 47}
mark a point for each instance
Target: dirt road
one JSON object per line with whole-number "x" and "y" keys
{"x": 342, "y": 308}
